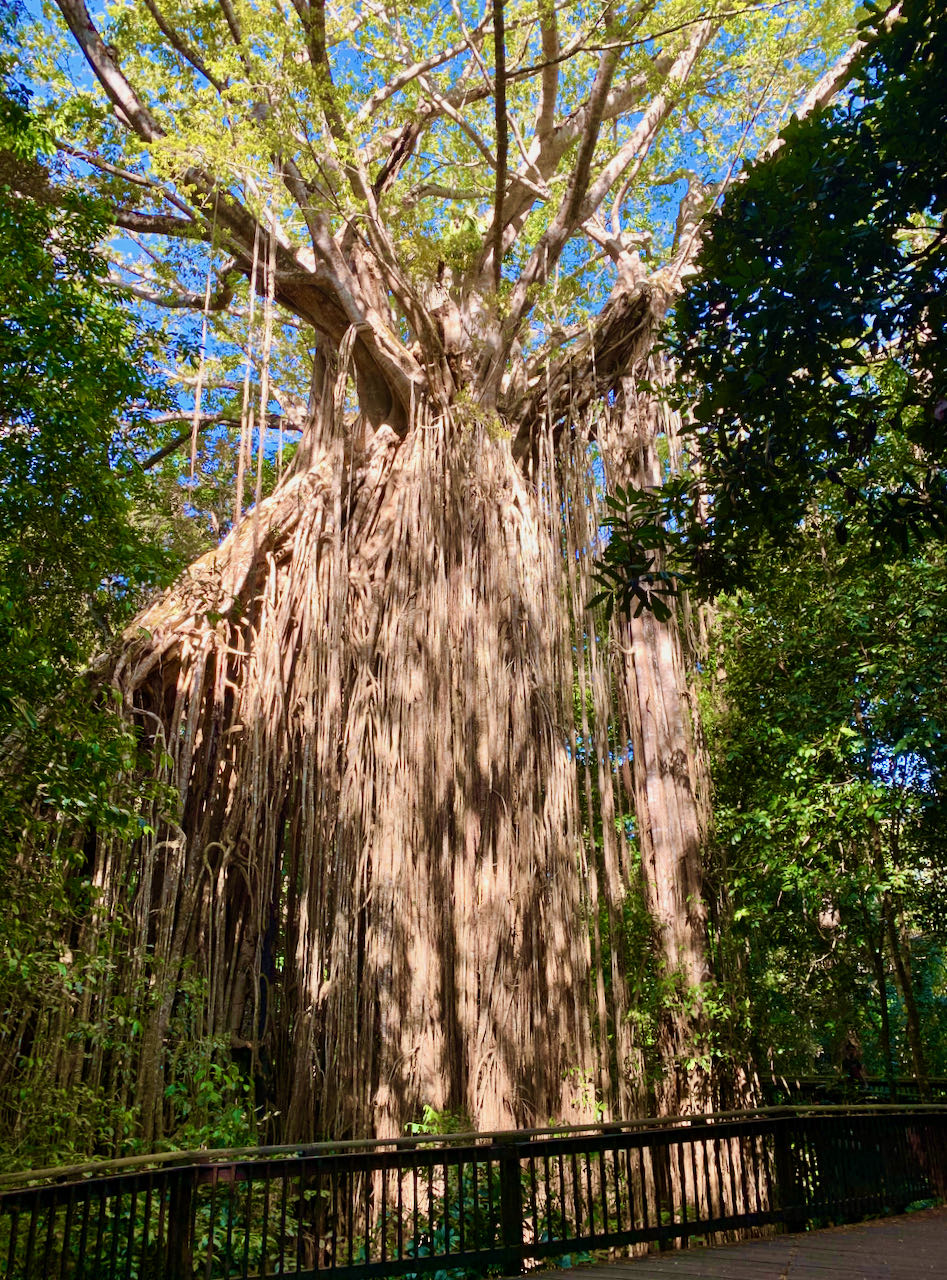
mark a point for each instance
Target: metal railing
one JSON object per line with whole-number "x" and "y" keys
{"x": 799, "y": 1090}
{"x": 473, "y": 1203}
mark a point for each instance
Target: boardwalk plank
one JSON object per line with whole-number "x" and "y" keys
{"x": 909, "y": 1247}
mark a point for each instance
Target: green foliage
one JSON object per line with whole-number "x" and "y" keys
{"x": 828, "y": 752}
{"x": 73, "y": 560}
{"x": 640, "y": 541}
{"x": 433, "y": 1121}
{"x": 813, "y": 340}
{"x": 82, "y": 539}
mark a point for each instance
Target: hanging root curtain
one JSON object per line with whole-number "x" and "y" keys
{"x": 364, "y": 698}
{"x": 399, "y": 866}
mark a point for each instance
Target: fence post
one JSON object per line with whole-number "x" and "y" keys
{"x": 180, "y": 1225}
{"x": 511, "y": 1204}
{"x": 788, "y": 1188}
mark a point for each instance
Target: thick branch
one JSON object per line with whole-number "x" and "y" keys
{"x": 312, "y": 16}
{"x": 161, "y": 224}
{"x": 549, "y": 32}
{"x": 126, "y": 101}
{"x": 550, "y": 245}
{"x": 233, "y": 23}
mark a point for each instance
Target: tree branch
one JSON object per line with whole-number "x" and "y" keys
{"x": 820, "y": 95}
{"x": 181, "y": 299}
{"x": 381, "y": 96}
{"x": 126, "y": 101}
{"x": 163, "y": 224}
{"x": 317, "y": 293}
{"x": 632, "y": 155}
{"x": 549, "y": 247}
{"x": 274, "y": 422}
{"x": 561, "y": 386}
{"x": 837, "y": 76}
{"x": 230, "y": 15}
{"x": 549, "y": 34}
{"x": 180, "y": 45}
{"x": 546, "y": 155}
{"x": 499, "y": 44}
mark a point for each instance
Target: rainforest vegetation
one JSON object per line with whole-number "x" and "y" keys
{"x": 473, "y": 600}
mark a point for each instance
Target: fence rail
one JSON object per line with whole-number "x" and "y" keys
{"x": 797, "y": 1090}
{"x": 510, "y": 1201}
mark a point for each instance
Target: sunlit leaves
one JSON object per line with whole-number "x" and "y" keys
{"x": 815, "y": 331}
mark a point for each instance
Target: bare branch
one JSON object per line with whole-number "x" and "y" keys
{"x": 126, "y": 101}
{"x": 474, "y": 45}
{"x": 448, "y": 109}
{"x": 499, "y": 43}
{"x": 126, "y": 175}
{"x": 291, "y": 421}
{"x": 88, "y": 157}
{"x": 162, "y": 224}
{"x": 435, "y": 191}
{"x": 549, "y": 33}
{"x": 401, "y": 151}
{"x": 181, "y": 299}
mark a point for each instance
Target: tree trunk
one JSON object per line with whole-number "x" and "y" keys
{"x": 900, "y": 961}
{"x": 876, "y": 955}
{"x": 363, "y": 700}
{"x": 372, "y": 878}
{"x": 670, "y": 780}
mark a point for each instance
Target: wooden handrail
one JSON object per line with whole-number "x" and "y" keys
{"x": 202, "y": 1156}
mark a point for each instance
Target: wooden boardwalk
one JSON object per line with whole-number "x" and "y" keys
{"x": 902, "y": 1248}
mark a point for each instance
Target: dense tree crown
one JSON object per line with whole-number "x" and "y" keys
{"x": 459, "y": 189}
{"x": 815, "y": 335}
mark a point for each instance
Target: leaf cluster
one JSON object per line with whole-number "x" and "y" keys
{"x": 816, "y": 327}
{"x": 73, "y": 557}
{"x": 826, "y": 730}
{"x": 630, "y": 571}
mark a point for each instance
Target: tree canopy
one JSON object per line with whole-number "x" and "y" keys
{"x": 812, "y": 342}
{"x": 419, "y": 828}
{"x": 77, "y": 383}
{"x": 532, "y": 155}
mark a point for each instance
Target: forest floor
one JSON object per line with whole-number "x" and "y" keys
{"x": 898, "y": 1248}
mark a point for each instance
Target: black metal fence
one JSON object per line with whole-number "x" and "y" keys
{"x": 475, "y": 1204}
{"x": 795, "y": 1090}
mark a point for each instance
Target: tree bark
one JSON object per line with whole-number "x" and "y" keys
{"x": 376, "y": 858}
{"x": 877, "y": 957}
{"x": 901, "y": 964}
{"x": 670, "y": 807}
